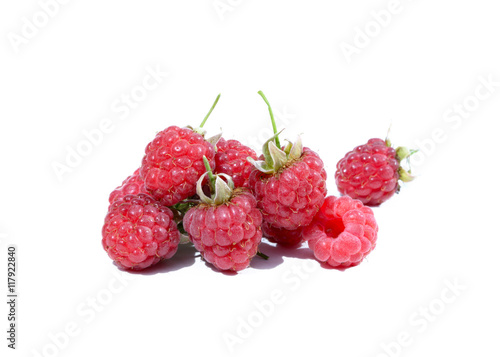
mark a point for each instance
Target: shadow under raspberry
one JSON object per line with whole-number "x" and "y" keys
{"x": 277, "y": 252}
{"x": 187, "y": 255}
{"x": 183, "y": 258}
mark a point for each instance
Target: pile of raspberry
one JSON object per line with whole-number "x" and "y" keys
{"x": 223, "y": 198}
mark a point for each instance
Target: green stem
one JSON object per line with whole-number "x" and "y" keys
{"x": 210, "y": 112}
{"x": 262, "y": 255}
{"x": 211, "y": 177}
{"x": 276, "y": 139}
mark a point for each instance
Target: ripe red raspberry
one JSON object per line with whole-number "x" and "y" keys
{"x": 138, "y": 232}
{"x": 289, "y": 184}
{"x": 227, "y": 235}
{"x": 231, "y": 159}
{"x": 132, "y": 185}
{"x": 292, "y": 196}
{"x": 343, "y": 232}
{"x": 285, "y": 237}
{"x": 225, "y": 227}
{"x": 370, "y": 172}
{"x": 174, "y": 162}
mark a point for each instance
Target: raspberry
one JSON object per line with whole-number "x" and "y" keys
{"x": 138, "y": 232}
{"x": 225, "y": 227}
{"x": 285, "y": 237}
{"x": 227, "y": 235}
{"x": 131, "y": 186}
{"x": 370, "y": 172}
{"x": 289, "y": 184}
{"x": 343, "y": 232}
{"x": 173, "y": 163}
{"x": 231, "y": 159}
{"x": 290, "y": 198}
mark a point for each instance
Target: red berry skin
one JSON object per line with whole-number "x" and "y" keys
{"x": 173, "y": 162}
{"x": 138, "y": 232}
{"x": 343, "y": 232}
{"x": 369, "y": 173}
{"x": 231, "y": 159}
{"x": 284, "y": 237}
{"x": 227, "y": 235}
{"x": 291, "y": 197}
{"x": 132, "y": 185}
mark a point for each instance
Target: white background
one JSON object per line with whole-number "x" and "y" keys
{"x": 415, "y": 71}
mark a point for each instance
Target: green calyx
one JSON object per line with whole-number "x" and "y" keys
{"x": 405, "y": 175}
{"x": 403, "y": 153}
{"x": 220, "y": 191}
{"x": 274, "y": 156}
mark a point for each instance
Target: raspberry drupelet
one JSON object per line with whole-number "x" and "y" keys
{"x": 138, "y": 232}
{"x": 343, "y": 232}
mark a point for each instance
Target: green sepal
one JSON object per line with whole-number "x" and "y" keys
{"x": 260, "y": 165}
{"x": 405, "y": 176}
{"x": 265, "y": 148}
{"x": 275, "y": 158}
{"x": 198, "y": 130}
{"x": 296, "y": 150}
{"x": 223, "y": 191}
{"x": 288, "y": 147}
{"x": 278, "y": 156}
{"x": 214, "y": 140}
{"x": 402, "y": 153}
